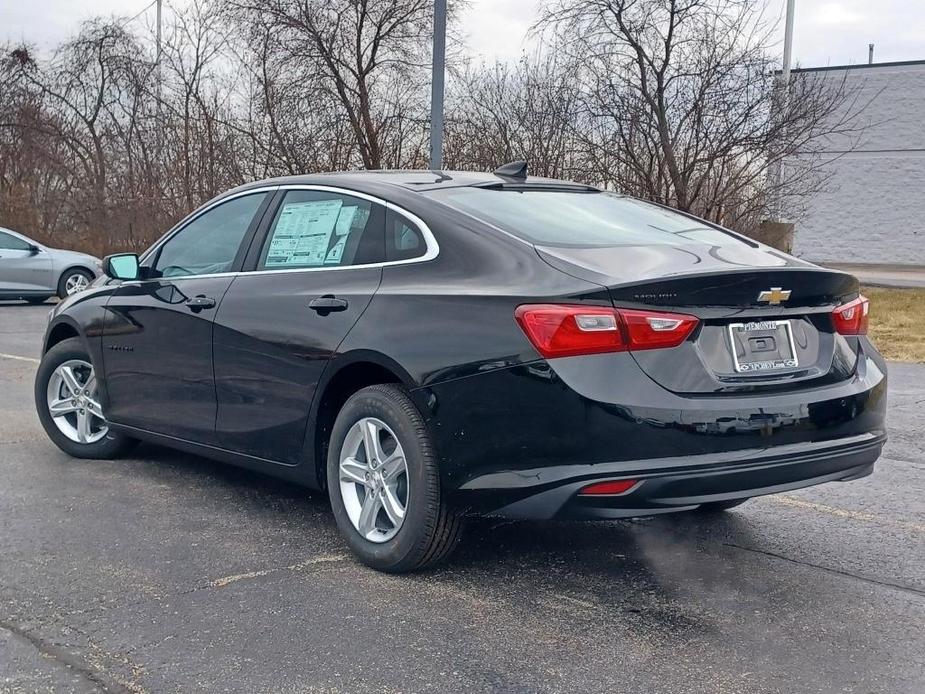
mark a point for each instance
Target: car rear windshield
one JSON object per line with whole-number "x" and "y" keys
{"x": 580, "y": 219}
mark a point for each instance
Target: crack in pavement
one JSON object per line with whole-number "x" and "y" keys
{"x": 919, "y": 592}
{"x": 67, "y": 659}
{"x": 219, "y": 583}
{"x": 95, "y": 674}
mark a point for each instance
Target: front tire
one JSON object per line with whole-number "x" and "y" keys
{"x": 73, "y": 281}
{"x": 384, "y": 483}
{"x": 67, "y": 402}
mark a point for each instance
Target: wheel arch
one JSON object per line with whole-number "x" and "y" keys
{"x": 344, "y": 376}
{"x": 78, "y": 266}
{"x": 63, "y": 329}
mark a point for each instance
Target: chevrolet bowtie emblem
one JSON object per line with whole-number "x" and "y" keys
{"x": 774, "y": 295}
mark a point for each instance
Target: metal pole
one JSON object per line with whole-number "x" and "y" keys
{"x": 157, "y": 59}
{"x": 436, "y": 86}
{"x": 788, "y": 43}
{"x": 870, "y": 54}
{"x": 777, "y": 169}
{"x": 157, "y": 55}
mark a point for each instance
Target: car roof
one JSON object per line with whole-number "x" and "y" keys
{"x": 417, "y": 179}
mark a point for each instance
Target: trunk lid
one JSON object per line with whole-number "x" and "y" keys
{"x": 753, "y": 335}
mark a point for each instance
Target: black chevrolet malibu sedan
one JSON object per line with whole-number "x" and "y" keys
{"x": 424, "y": 346}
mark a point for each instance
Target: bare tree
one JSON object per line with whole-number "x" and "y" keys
{"x": 671, "y": 100}
{"x": 522, "y": 111}
{"x": 364, "y": 49}
{"x": 680, "y": 105}
{"x": 74, "y": 94}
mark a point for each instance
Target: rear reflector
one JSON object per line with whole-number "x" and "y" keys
{"x": 608, "y": 488}
{"x": 852, "y": 318}
{"x": 564, "y": 330}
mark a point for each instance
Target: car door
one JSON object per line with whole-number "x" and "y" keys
{"x": 21, "y": 267}
{"x": 157, "y": 335}
{"x": 314, "y": 273}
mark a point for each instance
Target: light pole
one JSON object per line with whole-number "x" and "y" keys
{"x": 783, "y": 85}
{"x": 436, "y": 86}
{"x": 775, "y": 231}
{"x": 788, "y": 44}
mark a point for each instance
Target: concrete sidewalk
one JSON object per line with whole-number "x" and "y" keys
{"x": 908, "y": 276}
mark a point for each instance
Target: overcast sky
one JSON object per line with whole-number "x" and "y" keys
{"x": 827, "y": 32}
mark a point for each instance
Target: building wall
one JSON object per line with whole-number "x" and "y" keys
{"x": 873, "y": 208}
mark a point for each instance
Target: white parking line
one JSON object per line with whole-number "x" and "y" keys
{"x": 31, "y": 360}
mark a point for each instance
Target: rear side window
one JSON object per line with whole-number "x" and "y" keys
{"x": 317, "y": 229}
{"x": 403, "y": 240}
{"x": 580, "y": 219}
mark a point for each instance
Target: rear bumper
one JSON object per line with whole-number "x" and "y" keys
{"x": 522, "y": 441}
{"x": 677, "y": 484}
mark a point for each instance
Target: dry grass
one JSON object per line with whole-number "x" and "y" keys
{"x": 897, "y": 322}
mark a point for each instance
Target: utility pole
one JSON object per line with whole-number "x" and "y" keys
{"x": 157, "y": 52}
{"x": 776, "y": 231}
{"x": 436, "y": 86}
{"x": 783, "y": 86}
{"x": 788, "y": 46}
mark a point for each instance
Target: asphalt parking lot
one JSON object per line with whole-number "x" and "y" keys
{"x": 170, "y": 573}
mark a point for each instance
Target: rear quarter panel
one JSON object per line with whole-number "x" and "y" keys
{"x": 453, "y": 316}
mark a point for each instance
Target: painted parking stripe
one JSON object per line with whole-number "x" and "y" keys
{"x": 31, "y": 360}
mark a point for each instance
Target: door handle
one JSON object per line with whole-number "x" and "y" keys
{"x": 198, "y": 303}
{"x": 327, "y": 304}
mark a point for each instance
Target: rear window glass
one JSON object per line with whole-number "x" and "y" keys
{"x": 578, "y": 219}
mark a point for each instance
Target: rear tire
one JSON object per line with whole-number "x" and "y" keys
{"x": 720, "y": 506}
{"x": 101, "y": 442}
{"x": 72, "y": 281}
{"x": 428, "y": 529}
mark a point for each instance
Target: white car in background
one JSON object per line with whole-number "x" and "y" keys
{"x": 35, "y": 273}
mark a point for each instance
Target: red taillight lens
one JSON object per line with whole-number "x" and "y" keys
{"x": 852, "y": 318}
{"x": 650, "y": 330}
{"x": 565, "y": 331}
{"x": 608, "y": 488}
{"x": 561, "y": 330}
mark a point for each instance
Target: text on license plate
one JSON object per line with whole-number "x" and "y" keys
{"x": 762, "y": 346}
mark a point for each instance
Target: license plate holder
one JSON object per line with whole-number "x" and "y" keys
{"x": 761, "y": 346}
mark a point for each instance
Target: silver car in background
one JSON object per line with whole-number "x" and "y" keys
{"x": 35, "y": 273}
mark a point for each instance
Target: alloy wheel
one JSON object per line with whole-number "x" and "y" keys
{"x": 76, "y": 283}
{"x": 374, "y": 480}
{"x": 73, "y": 402}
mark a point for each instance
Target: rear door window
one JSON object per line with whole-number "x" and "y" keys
{"x": 319, "y": 229}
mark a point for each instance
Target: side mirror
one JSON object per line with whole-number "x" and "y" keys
{"x": 34, "y": 250}
{"x": 122, "y": 266}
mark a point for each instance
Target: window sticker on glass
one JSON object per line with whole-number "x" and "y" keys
{"x": 303, "y": 233}
{"x": 345, "y": 220}
{"x": 336, "y": 253}
{"x": 351, "y": 218}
